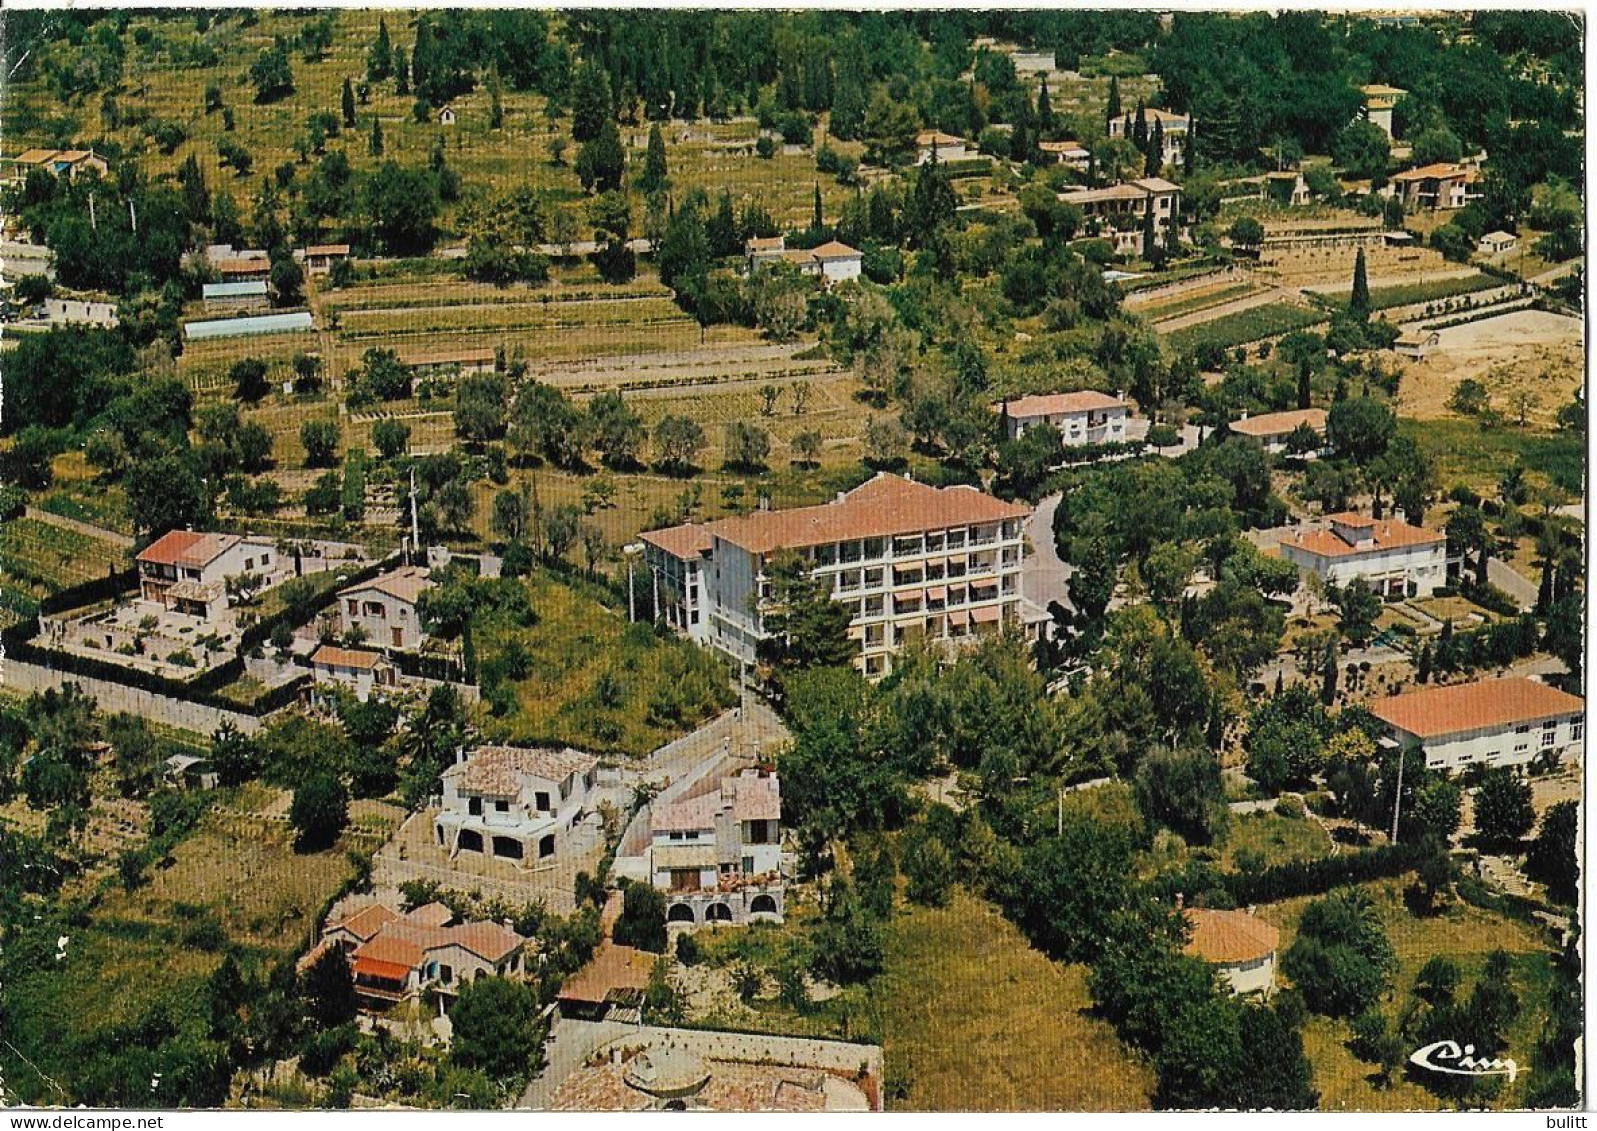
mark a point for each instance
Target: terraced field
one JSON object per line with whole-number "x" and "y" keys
{"x": 34, "y": 551}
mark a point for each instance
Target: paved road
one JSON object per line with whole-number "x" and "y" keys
{"x": 1046, "y": 578}
{"x": 1512, "y": 582}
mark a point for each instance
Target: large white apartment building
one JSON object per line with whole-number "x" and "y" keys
{"x": 1083, "y": 417}
{"x": 1493, "y": 722}
{"x": 1394, "y": 558}
{"x": 910, "y": 562}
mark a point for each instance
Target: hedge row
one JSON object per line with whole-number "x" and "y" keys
{"x": 1314, "y": 877}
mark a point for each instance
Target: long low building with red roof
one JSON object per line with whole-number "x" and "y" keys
{"x": 910, "y": 561}
{"x": 1493, "y": 722}
{"x": 1082, "y": 417}
{"x": 1390, "y": 556}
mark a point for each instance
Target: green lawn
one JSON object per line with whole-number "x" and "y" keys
{"x": 1464, "y": 452}
{"x": 1280, "y": 840}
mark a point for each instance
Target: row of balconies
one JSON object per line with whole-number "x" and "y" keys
{"x": 900, "y": 549}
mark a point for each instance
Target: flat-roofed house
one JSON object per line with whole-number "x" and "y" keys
{"x": 1442, "y": 185}
{"x": 513, "y": 802}
{"x": 1285, "y": 187}
{"x": 759, "y": 251}
{"x": 1272, "y": 428}
{"x": 1083, "y": 417}
{"x": 909, "y": 561}
{"x": 1239, "y": 946}
{"x": 384, "y": 608}
{"x": 246, "y": 295}
{"x": 716, "y": 853}
{"x": 424, "y": 954}
{"x": 1496, "y": 243}
{"x": 187, "y": 570}
{"x": 1392, "y": 557}
{"x": 355, "y": 668}
{"x": 1492, "y": 722}
{"x": 948, "y": 147}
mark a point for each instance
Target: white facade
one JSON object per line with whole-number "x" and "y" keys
{"x": 1174, "y": 127}
{"x": 1514, "y": 745}
{"x": 188, "y": 571}
{"x": 384, "y": 609}
{"x": 513, "y": 803}
{"x": 717, "y": 856}
{"x": 947, "y": 146}
{"x": 1392, "y": 557}
{"x": 909, "y": 561}
{"x": 1250, "y": 976}
{"x": 1081, "y": 418}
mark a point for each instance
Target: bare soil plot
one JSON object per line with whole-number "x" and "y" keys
{"x": 1527, "y": 351}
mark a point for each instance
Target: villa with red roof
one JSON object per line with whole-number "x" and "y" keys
{"x": 1238, "y": 945}
{"x": 1438, "y": 186}
{"x": 187, "y": 570}
{"x": 716, "y": 851}
{"x": 1272, "y": 428}
{"x": 908, "y": 560}
{"x": 360, "y": 670}
{"x": 1492, "y": 722}
{"x": 1083, "y": 417}
{"x": 422, "y": 954}
{"x": 513, "y": 802}
{"x": 832, "y": 261}
{"x": 1392, "y": 557}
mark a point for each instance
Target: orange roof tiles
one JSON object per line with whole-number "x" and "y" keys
{"x": 936, "y": 137}
{"x": 1224, "y": 937}
{"x": 497, "y": 770}
{"x": 366, "y": 922}
{"x": 192, "y": 548}
{"x": 1280, "y": 423}
{"x": 345, "y": 657}
{"x": 882, "y": 507}
{"x": 1441, "y": 171}
{"x": 1387, "y": 534}
{"x": 329, "y": 249}
{"x": 1485, "y": 705}
{"x": 1052, "y": 404}
{"x": 832, "y": 249}
{"x": 406, "y": 583}
{"x": 687, "y": 541}
{"x": 612, "y": 968}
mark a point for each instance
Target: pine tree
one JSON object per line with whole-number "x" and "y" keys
{"x": 401, "y": 72}
{"x": 654, "y": 167}
{"x": 848, "y": 95}
{"x": 1045, "y": 109}
{"x": 375, "y": 145}
{"x": 1113, "y": 110}
{"x": 349, "y": 104}
{"x": 1359, "y": 304}
{"x": 1304, "y": 373}
{"x": 379, "y": 59}
{"x": 1154, "y": 159}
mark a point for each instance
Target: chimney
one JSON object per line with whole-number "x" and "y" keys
{"x": 1180, "y": 901}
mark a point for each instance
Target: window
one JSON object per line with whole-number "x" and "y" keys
{"x": 446, "y": 974}
{"x": 501, "y": 806}
{"x": 1548, "y": 736}
{"x": 249, "y": 563}
{"x": 541, "y": 801}
{"x": 1576, "y": 729}
{"x": 748, "y": 865}
{"x": 354, "y": 607}
{"x": 266, "y": 559}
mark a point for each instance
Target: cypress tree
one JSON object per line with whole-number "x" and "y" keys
{"x": 1304, "y": 373}
{"x": 1139, "y": 128}
{"x": 1359, "y": 304}
{"x": 654, "y": 167}
{"x": 401, "y": 72}
{"x": 375, "y": 146}
{"x": 1155, "y": 153}
{"x": 1150, "y": 243}
{"x": 1280, "y": 682}
{"x": 379, "y": 60}
{"x": 1423, "y": 673}
{"x": 818, "y": 222}
{"x": 1045, "y": 108}
{"x": 349, "y": 104}
{"x": 1189, "y": 148}
{"x": 1112, "y": 111}
{"x": 1544, "y": 592}
{"x": 1328, "y": 686}
{"x": 496, "y": 108}
{"x": 1215, "y": 734}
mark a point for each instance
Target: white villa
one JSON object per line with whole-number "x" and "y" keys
{"x": 910, "y": 562}
{"x": 1493, "y": 722}
{"x": 1118, "y": 210}
{"x": 513, "y": 802}
{"x": 717, "y": 854}
{"x": 1394, "y": 558}
{"x": 384, "y": 608}
{"x": 832, "y": 262}
{"x": 1084, "y": 417}
{"x": 1174, "y": 127}
{"x": 187, "y": 570}
{"x": 357, "y": 669}
{"x": 1241, "y": 947}
{"x": 1272, "y": 428}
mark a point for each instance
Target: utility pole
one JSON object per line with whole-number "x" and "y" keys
{"x": 415, "y": 525}
{"x": 1397, "y": 802}
{"x": 93, "y": 222}
{"x": 133, "y": 217}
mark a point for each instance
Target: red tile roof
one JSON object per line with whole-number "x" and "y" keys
{"x": 1387, "y": 534}
{"x": 1280, "y": 423}
{"x": 1486, "y": 705}
{"x": 345, "y": 657}
{"x": 832, "y": 249}
{"x": 1225, "y": 937}
{"x": 366, "y": 922}
{"x": 192, "y": 548}
{"x": 406, "y": 583}
{"x": 612, "y": 968}
{"x": 1052, "y": 404}
{"x": 497, "y": 770}
{"x": 686, "y": 542}
{"x": 1440, "y": 170}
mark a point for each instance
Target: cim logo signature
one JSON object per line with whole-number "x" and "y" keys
{"x": 1448, "y": 1057}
